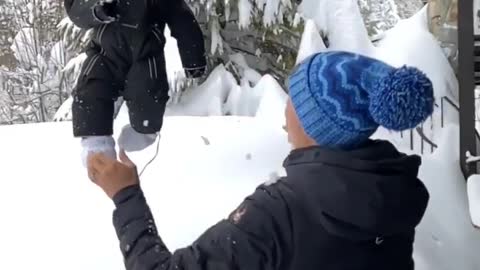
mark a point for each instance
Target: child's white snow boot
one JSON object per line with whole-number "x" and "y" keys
{"x": 98, "y": 144}
{"x": 132, "y": 141}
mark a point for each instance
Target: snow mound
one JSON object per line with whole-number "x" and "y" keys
{"x": 53, "y": 209}
{"x": 473, "y": 191}
{"x": 206, "y": 98}
{"x": 399, "y": 46}
{"x": 446, "y": 238}
{"x": 311, "y": 43}
{"x": 419, "y": 49}
{"x": 342, "y": 22}
{"x": 271, "y": 108}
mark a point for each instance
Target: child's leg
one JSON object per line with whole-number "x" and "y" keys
{"x": 146, "y": 94}
{"x": 94, "y": 98}
{"x": 93, "y": 106}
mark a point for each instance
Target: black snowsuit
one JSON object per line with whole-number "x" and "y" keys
{"x": 353, "y": 210}
{"x": 126, "y": 58}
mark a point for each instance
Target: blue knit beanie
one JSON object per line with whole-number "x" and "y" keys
{"x": 342, "y": 98}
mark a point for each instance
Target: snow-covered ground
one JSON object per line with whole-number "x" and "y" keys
{"x": 52, "y": 217}
{"x": 446, "y": 238}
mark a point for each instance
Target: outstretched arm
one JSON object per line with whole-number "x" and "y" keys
{"x": 186, "y": 30}
{"x": 255, "y": 237}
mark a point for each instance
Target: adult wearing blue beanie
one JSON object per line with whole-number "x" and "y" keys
{"x": 342, "y": 98}
{"x": 347, "y": 202}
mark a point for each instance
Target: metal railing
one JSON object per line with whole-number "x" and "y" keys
{"x": 456, "y": 107}
{"x": 426, "y": 142}
{"x": 442, "y": 108}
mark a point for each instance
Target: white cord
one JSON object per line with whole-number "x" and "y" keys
{"x": 153, "y": 159}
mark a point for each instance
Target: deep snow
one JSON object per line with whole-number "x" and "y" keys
{"x": 53, "y": 217}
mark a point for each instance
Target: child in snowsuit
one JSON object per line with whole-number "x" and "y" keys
{"x": 126, "y": 58}
{"x": 347, "y": 202}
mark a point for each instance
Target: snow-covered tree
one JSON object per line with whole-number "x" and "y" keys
{"x": 406, "y": 9}
{"x": 6, "y": 24}
{"x": 40, "y": 52}
{"x": 379, "y": 15}
{"x": 267, "y": 33}
{"x": 35, "y": 87}
{"x": 7, "y": 12}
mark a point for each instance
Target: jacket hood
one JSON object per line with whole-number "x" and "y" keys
{"x": 361, "y": 194}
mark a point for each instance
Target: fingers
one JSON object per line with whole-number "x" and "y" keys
{"x": 92, "y": 172}
{"x": 125, "y": 159}
{"x": 97, "y": 162}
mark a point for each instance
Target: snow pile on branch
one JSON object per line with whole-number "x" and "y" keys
{"x": 342, "y": 22}
{"x": 272, "y": 11}
{"x": 221, "y": 95}
{"x": 311, "y": 43}
{"x": 379, "y": 15}
{"x": 273, "y": 101}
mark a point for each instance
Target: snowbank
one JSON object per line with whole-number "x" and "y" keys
{"x": 54, "y": 216}
{"x": 52, "y": 212}
{"x": 342, "y": 22}
{"x": 473, "y": 191}
{"x": 311, "y": 43}
{"x": 420, "y": 49}
{"x": 446, "y": 239}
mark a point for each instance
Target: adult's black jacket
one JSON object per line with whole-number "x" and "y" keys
{"x": 352, "y": 210}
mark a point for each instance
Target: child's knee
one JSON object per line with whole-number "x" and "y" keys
{"x": 146, "y": 117}
{"x": 147, "y": 79}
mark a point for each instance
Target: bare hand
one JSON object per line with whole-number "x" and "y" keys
{"x": 112, "y": 175}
